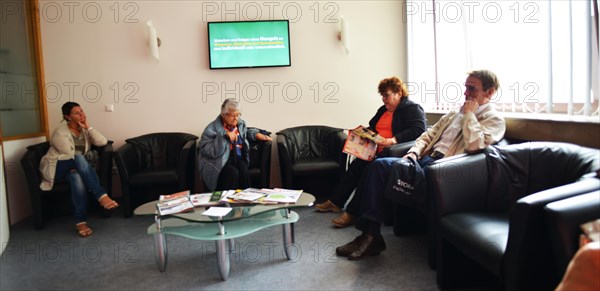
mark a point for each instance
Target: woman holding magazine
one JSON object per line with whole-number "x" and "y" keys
{"x": 398, "y": 120}
{"x": 224, "y": 157}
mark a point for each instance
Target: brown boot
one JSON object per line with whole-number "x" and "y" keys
{"x": 369, "y": 246}
{"x": 350, "y": 247}
{"x": 327, "y": 206}
{"x": 343, "y": 220}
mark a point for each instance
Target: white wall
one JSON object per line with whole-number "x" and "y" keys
{"x": 81, "y": 56}
{"x": 95, "y": 53}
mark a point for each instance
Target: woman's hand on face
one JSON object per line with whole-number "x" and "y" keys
{"x": 232, "y": 136}
{"x": 83, "y": 124}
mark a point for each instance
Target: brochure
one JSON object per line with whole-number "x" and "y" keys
{"x": 280, "y": 195}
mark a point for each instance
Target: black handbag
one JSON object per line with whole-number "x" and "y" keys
{"x": 406, "y": 184}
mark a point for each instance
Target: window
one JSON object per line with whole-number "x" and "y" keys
{"x": 22, "y": 110}
{"x": 545, "y": 53}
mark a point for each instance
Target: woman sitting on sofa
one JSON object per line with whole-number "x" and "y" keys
{"x": 224, "y": 157}
{"x": 398, "y": 120}
{"x": 67, "y": 158}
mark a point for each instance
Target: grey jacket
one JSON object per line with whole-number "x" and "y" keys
{"x": 214, "y": 149}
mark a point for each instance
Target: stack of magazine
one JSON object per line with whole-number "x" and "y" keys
{"x": 184, "y": 201}
{"x": 174, "y": 203}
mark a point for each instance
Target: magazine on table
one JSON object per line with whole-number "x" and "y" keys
{"x": 362, "y": 143}
{"x": 280, "y": 195}
{"x": 207, "y": 199}
{"x": 248, "y": 195}
{"x": 174, "y": 203}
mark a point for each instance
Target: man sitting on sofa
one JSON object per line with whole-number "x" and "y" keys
{"x": 473, "y": 128}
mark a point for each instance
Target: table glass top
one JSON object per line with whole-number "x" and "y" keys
{"x": 237, "y": 211}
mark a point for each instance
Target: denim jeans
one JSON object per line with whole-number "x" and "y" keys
{"x": 373, "y": 187}
{"x": 82, "y": 178}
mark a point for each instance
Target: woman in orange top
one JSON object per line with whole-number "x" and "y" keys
{"x": 398, "y": 120}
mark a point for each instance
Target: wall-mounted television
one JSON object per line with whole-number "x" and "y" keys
{"x": 249, "y": 44}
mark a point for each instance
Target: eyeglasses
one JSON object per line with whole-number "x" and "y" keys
{"x": 471, "y": 88}
{"x": 233, "y": 115}
{"x": 388, "y": 94}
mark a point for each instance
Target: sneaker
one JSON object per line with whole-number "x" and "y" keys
{"x": 343, "y": 220}
{"x": 327, "y": 206}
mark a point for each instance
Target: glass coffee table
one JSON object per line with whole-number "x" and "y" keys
{"x": 240, "y": 221}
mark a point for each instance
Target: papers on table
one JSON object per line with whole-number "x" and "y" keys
{"x": 217, "y": 211}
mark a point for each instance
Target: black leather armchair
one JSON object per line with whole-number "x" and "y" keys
{"x": 260, "y": 164}
{"x": 155, "y": 164}
{"x": 56, "y": 202}
{"x": 564, "y": 220}
{"x": 488, "y": 211}
{"x": 311, "y": 158}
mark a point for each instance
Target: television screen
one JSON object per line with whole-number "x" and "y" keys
{"x": 249, "y": 44}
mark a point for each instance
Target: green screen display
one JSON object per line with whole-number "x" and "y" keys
{"x": 248, "y": 44}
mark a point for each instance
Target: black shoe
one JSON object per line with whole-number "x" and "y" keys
{"x": 369, "y": 246}
{"x": 350, "y": 247}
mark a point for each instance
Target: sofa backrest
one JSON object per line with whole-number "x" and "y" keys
{"x": 517, "y": 170}
{"x": 311, "y": 141}
{"x": 157, "y": 150}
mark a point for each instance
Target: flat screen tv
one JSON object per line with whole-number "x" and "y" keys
{"x": 249, "y": 44}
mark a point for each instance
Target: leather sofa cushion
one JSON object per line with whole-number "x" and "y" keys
{"x": 154, "y": 176}
{"x": 320, "y": 166}
{"x": 481, "y": 235}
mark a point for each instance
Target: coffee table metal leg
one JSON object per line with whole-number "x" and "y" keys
{"x": 160, "y": 251}
{"x": 222, "y": 253}
{"x": 288, "y": 238}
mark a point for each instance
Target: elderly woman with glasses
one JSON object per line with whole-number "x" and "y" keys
{"x": 224, "y": 157}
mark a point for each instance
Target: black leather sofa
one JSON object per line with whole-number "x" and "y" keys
{"x": 311, "y": 158}
{"x": 259, "y": 167}
{"x": 56, "y": 202}
{"x": 564, "y": 218}
{"x": 488, "y": 212}
{"x": 155, "y": 164}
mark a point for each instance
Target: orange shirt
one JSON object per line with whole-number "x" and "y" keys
{"x": 384, "y": 126}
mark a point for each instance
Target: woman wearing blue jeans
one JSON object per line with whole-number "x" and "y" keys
{"x": 66, "y": 159}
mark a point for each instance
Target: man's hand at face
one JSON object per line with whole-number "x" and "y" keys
{"x": 470, "y": 106}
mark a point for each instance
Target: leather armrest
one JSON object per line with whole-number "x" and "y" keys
{"x": 186, "y": 160}
{"x": 458, "y": 184}
{"x": 338, "y": 145}
{"x": 285, "y": 161}
{"x": 564, "y": 220}
{"x": 399, "y": 150}
{"x": 265, "y": 163}
{"x": 127, "y": 161}
{"x": 527, "y": 228}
